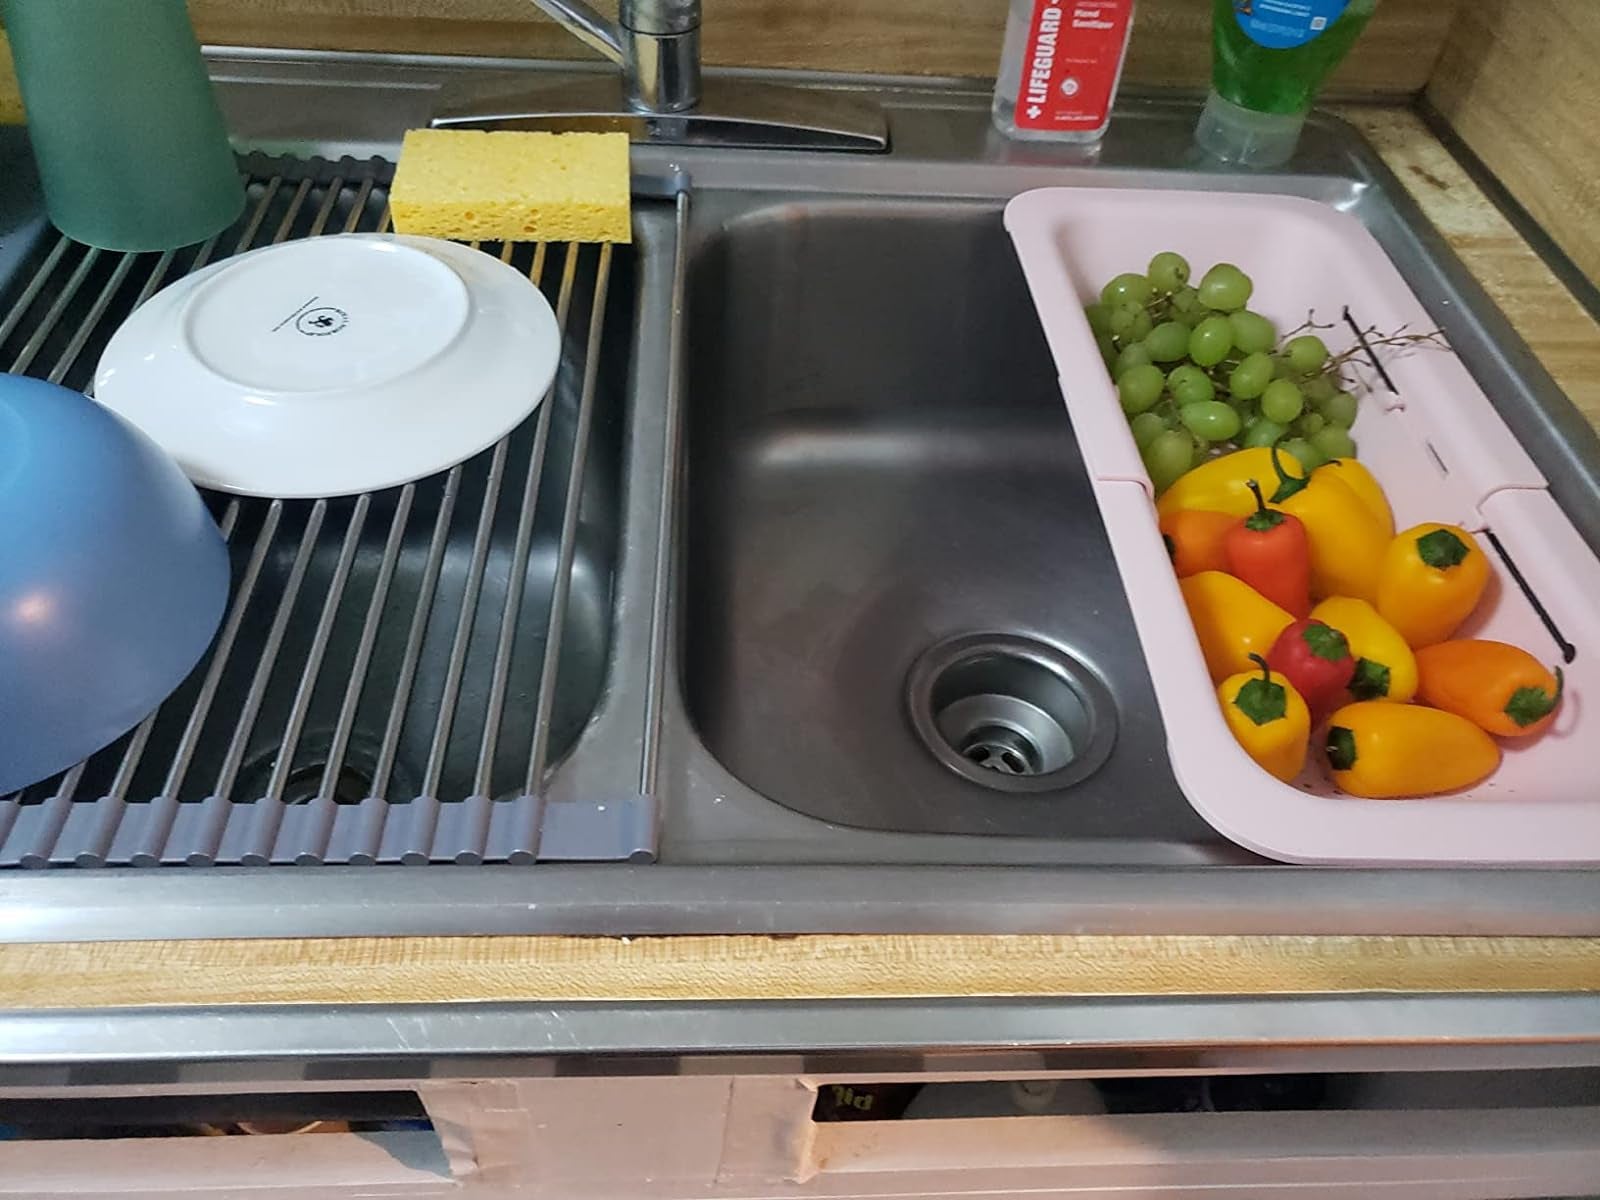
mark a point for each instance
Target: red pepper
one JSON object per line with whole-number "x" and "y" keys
{"x": 1316, "y": 660}
{"x": 1269, "y": 551}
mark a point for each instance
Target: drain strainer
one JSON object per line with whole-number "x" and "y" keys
{"x": 1011, "y": 713}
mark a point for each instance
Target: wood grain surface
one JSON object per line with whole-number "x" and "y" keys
{"x": 1560, "y": 331}
{"x": 1520, "y": 82}
{"x": 559, "y": 969}
{"x": 1171, "y": 42}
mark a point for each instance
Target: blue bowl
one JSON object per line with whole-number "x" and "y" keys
{"x": 113, "y": 578}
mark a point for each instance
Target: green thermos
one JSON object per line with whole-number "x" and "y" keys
{"x": 131, "y": 146}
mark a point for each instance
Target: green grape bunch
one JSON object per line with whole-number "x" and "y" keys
{"x": 1199, "y": 373}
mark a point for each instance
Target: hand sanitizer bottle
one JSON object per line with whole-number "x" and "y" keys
{"x": 1060, "y": 67}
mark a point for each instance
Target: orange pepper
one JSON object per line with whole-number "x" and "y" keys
{"x": 1431, "y": 579}
{"x": 1499, "y": 688}
{"x": 1196, "y": 539}
{"x": 1234, "y": 622}
{"x": 1383, "y": 750}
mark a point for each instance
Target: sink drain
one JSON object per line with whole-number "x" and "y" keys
{"x": 351, "y": 784}
{"x": 1011, "y": 713}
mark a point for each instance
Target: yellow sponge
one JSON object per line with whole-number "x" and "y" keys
{"x": 474, "y": 185}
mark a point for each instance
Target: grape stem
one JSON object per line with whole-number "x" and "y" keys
{"x": 1159, "y": 306}
{"x": 1400, "y": 338}
{"x": 1343, "y": 369}
{"x": 1337, "y": 364}
{"x": 1309, "y": 324}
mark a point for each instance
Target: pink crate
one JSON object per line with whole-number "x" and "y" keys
{"x": 1439, "y": 449}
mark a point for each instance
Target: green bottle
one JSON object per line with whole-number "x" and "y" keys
{"x": 132, "y": 150}
{"x": 1269, "y": 59}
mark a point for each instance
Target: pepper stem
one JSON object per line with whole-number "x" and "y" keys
{"x": 1263, "y": 519}
{"x": 1529, "y": 705}
{"x": 1262, "y": 700}
{"x": 1288, "y": 485}
{"x": 1442, "y": 549}
{"x": 1341, "y": 748}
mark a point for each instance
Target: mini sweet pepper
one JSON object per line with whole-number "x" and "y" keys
{"x": 1385, "y": 667}
{"x": 1316, "y": 659}
{"x": 1232, "y": 620}
{"x": 1432, "y": 577}
{"x": 1268, "y": 718}
{"x": 1223, "y": 483}
{"x": 1268, "y": 551}
{"x": 1502, "y": 689}
{"x": 1382, "y": 751}
{"x": 1196, "y": 539}
{"x": 1359, "y": 480}
{"x": 1346, "y": 538}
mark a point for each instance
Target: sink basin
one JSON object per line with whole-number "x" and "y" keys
{"x": 585, "y": 633}
{"x": 879, "y": 464}
{"x": 380, "y": 650}
{"x": 403, "y": 772}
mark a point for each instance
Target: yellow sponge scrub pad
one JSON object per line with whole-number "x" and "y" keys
{"x": 494, "y": 186}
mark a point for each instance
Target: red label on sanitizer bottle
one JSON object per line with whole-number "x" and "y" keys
{"x": 1071, "y": 64}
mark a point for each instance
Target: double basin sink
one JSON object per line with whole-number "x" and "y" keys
{"x": 841, "y": 609}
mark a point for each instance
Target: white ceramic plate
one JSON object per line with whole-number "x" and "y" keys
{"x": 333, "y": 365}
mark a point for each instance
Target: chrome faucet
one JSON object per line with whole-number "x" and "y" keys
{"x": 655, "y": 42}
{"x": 657, "y": 45}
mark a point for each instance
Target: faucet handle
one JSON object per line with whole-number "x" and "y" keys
{"x": 655, "y": 42}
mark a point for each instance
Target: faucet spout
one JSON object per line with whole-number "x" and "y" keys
{"x": 655, "y": 42}
{"x": 587, "y": 25}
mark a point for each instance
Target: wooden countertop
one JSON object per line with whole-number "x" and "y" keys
{"x": 1560, "y": 331}
{"x": 555, "y": 970}
{"x": 432, "y": 970}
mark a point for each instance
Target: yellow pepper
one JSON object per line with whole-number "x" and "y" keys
{"x": 1223, "y": 484}
{"x": 1269, "y": 719}
{"x": 1432, "y": 578}
{"x": 1360, "y": 481}
{"x": 1233, "y": 621}
{"x": 1385, "y": 667}
{"x": 1346, "y": 539}
{"x": 1383, "y": 751}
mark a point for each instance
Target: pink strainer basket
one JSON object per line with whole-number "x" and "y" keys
{"x": 1441, "y": 452}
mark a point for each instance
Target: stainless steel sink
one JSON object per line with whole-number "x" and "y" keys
{"x": 880, "y": 464}
{"x": 843, "y": 646}
{"x": 383, "y": 687}
{"x": 402, "y": 752}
